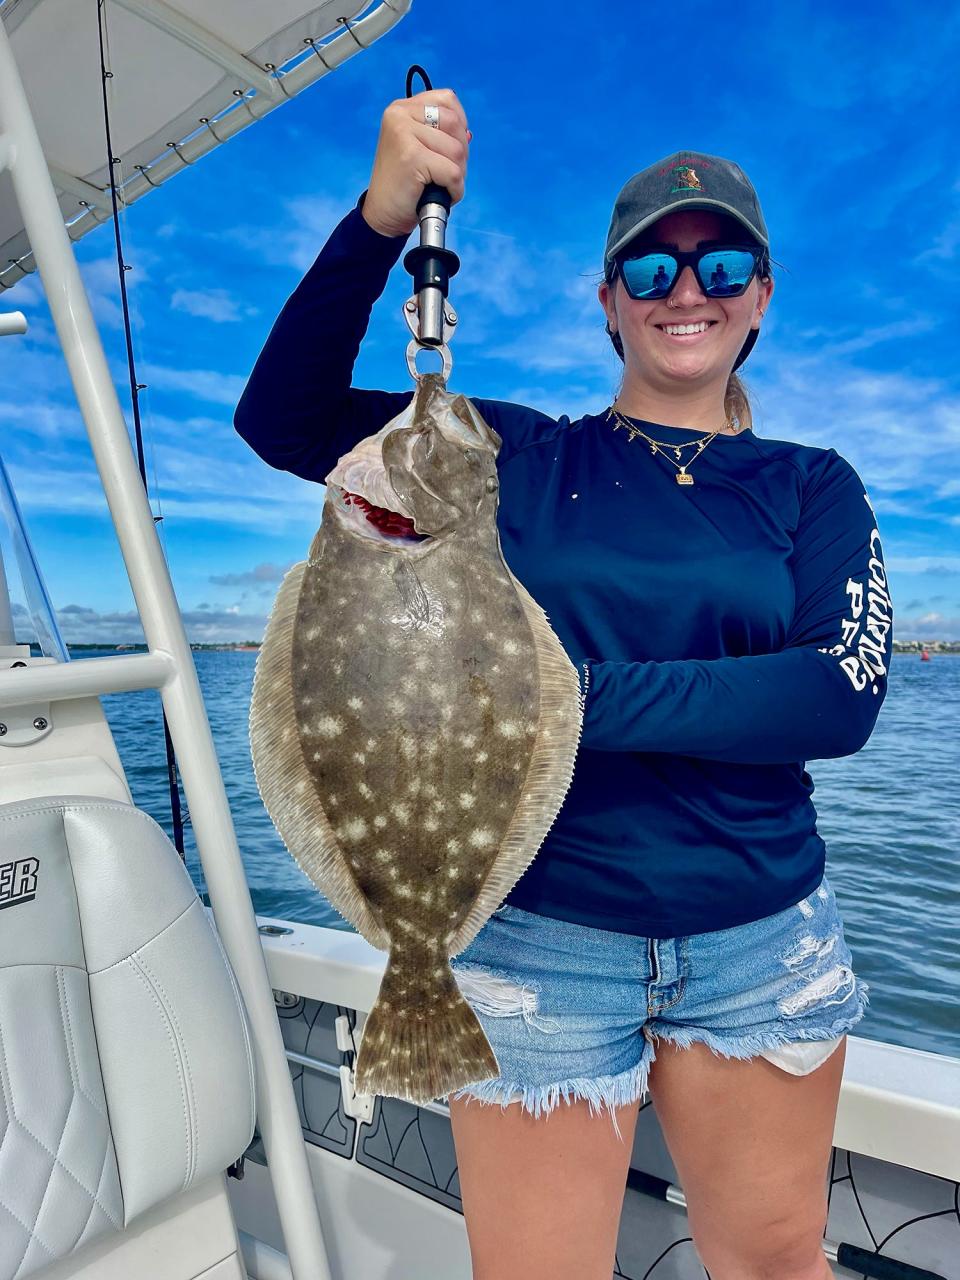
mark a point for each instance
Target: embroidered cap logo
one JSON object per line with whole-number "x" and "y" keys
{"x": 686, "y": 179}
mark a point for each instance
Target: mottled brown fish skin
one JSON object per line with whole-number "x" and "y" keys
{"x": 415, "y": 682}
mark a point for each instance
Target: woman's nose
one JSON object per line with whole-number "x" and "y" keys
{"x": 687, "y": 292}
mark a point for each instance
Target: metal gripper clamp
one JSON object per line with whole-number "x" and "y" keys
{"x": 427, "y": 313}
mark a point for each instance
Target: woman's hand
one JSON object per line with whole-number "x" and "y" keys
{"x": 411, "y": 153}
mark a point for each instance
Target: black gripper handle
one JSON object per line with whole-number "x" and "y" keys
{"x": 434, "y": 194}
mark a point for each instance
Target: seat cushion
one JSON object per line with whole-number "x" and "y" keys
{"x": 126, "y": 1069}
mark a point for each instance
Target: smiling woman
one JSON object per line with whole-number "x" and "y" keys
{"x": 688, "y": 291}
{"x": 676, "y": 930}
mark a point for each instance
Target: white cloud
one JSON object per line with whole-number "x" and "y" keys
{"x": 202, "y": 384}
{"x": 79, "y": 624}
{"x": 210, "y": 304}
{"x": 929, "y": 626}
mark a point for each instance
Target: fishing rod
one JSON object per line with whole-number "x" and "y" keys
{"x": 427, "y": 312}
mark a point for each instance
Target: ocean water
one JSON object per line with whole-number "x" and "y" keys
{"x": 890, "y": 816}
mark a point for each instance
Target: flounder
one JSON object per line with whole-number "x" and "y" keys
{"x": 414, "y": 726}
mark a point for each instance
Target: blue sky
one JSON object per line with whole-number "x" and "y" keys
{"x": 840, "y": 116}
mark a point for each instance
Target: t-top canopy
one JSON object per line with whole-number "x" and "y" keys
{"x": 187, "y": 75}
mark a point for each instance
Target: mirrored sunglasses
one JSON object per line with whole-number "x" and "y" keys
{"x": 723, "y": 271}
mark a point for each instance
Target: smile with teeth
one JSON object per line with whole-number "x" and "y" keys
{"x": 678, "y": 330}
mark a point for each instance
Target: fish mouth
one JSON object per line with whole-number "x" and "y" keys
{"x": 379, "y": 524}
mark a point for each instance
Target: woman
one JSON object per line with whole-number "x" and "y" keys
{"x": 724, "y": 599}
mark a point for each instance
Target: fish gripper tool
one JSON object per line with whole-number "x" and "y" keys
{"x": 427, "y": 312}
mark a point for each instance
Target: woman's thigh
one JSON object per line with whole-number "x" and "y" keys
{"x": 751, "y": 1144}
{"x": 543, "y": 1148}
{"x": 542, "y": 1197}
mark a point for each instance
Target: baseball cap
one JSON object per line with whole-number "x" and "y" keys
{"x": 685, "y": 180}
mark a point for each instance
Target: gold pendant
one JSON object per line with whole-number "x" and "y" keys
{"x": 683, "y": 478}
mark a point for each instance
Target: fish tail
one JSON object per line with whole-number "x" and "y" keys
{"x": 421, "y": 1040}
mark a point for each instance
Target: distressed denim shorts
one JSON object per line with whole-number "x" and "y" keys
{"x": 573, "y": 1012}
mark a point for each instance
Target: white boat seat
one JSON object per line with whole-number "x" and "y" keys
{"x": 126, "y": 1068}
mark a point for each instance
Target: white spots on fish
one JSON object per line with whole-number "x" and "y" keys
{"x": 453, "y": 872}
{"x": 369, "y": 744}
{"x": 483, "y": 700}
{"x": 359, "y": 757}
{"x": 332, "y": 800}
{"x": 431, "y": 824}
{"x": 328, "y": 726}
{"x": 360, "y": 628}
{"x": 380, "y": 821}
{"x": 393, "y": 873}
{"x": 476, "y": 615}
{"x": 340, "y": 641}
{"x": 403, "y": 889}
{"x": 364, "y": 790}
{"x": 318, "y": 755}
{"x": 481, "y": 838}
{"x": 466, "y": 799}
{"x": 337, "y": 669}
{"x": 306, "y": 702}
{"x": 438, "y": 804}
{"x": 355, "y": 703}
{"x": 468, "y": 740}
{"x": 453, "y": 847}
{"x": 508, "y": 729}
{"x": 446, "y": 712}
{"x": 421, "y": 662}
{"x": 401, "y": 812}
{"x": 352, "y": 829}
{"x": 413, "y": 786}
{"x": 429, "y": 789}
{"x": 409, "y": 685}
{"x": 341, "y": 600}
{"x": 495, "y": 668}
{"x": 408, "y": 745}
{"x": 383, "y": 855}
{"x": 489, "y": 635}
{"x": 481, "y": 757}
{"x": 430, "y": 747}
{"x": 511, "y": 647}
{"x": 396, "y": 705}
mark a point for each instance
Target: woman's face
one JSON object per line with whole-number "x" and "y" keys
{"x": 665, "y": 359}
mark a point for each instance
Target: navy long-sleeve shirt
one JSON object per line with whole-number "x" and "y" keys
{"x": 725, "y": 632}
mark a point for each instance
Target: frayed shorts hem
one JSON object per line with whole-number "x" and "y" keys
{"x": 742, "y": 1048}
{"x": 600, "y": 1092}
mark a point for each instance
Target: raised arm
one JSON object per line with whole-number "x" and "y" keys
{"x": 815, "y": 699}
{"x": 298, "y": 409}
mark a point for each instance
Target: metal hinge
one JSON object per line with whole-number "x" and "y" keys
{"x": 357, "y": 1105}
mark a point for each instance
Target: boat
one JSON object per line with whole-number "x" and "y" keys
{"x": 178, "y": 1096}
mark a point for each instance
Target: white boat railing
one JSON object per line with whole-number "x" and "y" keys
{"x": 168, "y": 666}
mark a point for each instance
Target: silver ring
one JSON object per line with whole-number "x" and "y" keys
{"x": 431, "y": 116}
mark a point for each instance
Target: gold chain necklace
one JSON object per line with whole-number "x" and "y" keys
{"x": 662, "y": 447}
